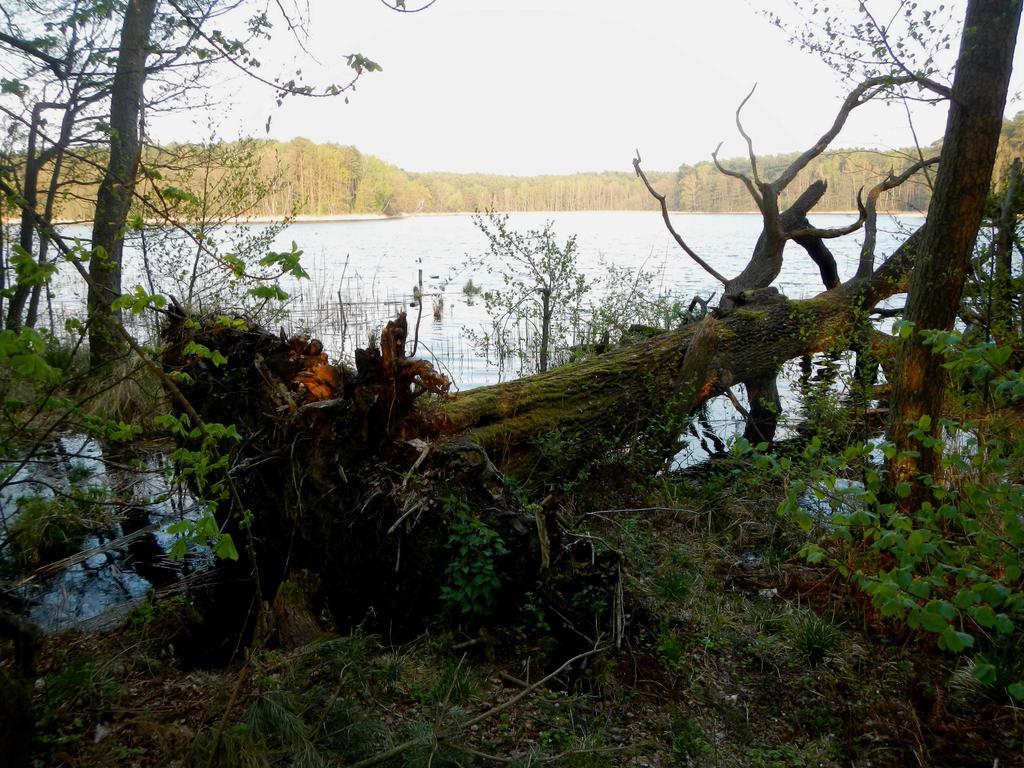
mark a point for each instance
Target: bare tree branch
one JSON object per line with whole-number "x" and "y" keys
{"x": 834, "y": 232}
{"x": 917, "y": 143}
{"x": 743, "y": 133}
{"x": 399, "y": 5}
{"x": 859, "y": 95}
{"x": 668, "y": 223}
{"x": 741, "y": 176}
{"x": 867, "y": 251}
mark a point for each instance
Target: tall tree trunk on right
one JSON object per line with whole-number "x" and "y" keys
{"x": 954, "y": 215}
{"x": 115, "y": 192}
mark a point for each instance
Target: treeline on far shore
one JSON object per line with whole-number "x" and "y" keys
{"x": 265, "y": 178}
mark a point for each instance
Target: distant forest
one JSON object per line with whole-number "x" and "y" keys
{"x": 299, "y": 177}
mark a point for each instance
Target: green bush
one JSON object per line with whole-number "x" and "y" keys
{"x": 953, "y": 567}
{"x": 473, "y": 578}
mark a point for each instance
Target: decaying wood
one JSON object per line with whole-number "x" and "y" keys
{"x": 294, "y": 611}
{"x": 356, "y": 475}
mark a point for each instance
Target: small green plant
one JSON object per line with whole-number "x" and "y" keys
{"x": 535, "y": 311}
{"x": 473, "y": 577}
{"x": 688, "y": 740}
{"x": 48, "y": 527}
{"x": 952, "y": 567}
{"x": 814, "y": 638}
{"x": 672, "y": 649}
{"x": 455, "y": 685}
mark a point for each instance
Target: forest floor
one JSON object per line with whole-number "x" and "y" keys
{"x": 736, "y": 654}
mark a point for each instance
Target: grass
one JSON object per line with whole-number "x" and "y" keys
{"x": 130, "y": 393}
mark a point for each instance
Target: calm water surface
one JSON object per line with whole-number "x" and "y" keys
{"x": 378, "y": 262}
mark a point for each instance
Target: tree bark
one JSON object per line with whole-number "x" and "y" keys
{"x": 113, "y": 198}
{"x": 1002, "y": 318}
{"x": 954, "y": 215}
{"x": 26, "y": 234}
{"x": 602, "y": 405}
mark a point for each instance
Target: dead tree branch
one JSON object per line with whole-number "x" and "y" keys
{"x": 746, "y": 137}
{"x": 867, "y": 251}
{"x": 400, "y": 6}
{"x": 738, "y": 175}
{"x": 833, "y": 232}
{"x": 668, "y": 223}
{"x": 858, "y": 96}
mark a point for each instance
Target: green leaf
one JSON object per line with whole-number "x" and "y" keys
{"x": 903, "y": 328}
{"x": 984, "y": 616}
{"x": 33, "y": 366}
{"x": 933, "y": 622}
{"x": 1004, "y": 625}
{"x": 225, "y": 547}
{"x": 14, "y": 87}
{"x": 983, "y": 671}
{"x": 180, "y": 527}
{"x": 954, "y": 641}
{"x": 268, "y": 292}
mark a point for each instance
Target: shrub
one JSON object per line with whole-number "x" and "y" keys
{"x": 473, "y": 578}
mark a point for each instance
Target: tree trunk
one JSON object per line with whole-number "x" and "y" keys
{"x": 545, "y": 328}
{"x": 765, "y": 407}
{"x": 114, "y": 195}
{"x": 954, "y": 215}
{"x": 26, "y": 234}
{"x": 1002, "y": 316}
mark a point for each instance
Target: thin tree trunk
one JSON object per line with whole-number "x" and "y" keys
{"x": 1001, "y": 318}
{"x": 26, "y": 235}
{"x": 57, "y": 155}
{"x": 115, "y": 192}
{"x": 545, "y": 329}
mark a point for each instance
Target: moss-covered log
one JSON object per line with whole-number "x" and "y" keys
{"x": 616, "y": 401}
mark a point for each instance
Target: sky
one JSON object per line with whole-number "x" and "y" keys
{"x": 555, "y": 86}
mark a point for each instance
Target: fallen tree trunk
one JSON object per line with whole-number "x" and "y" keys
{"x": 369, "y": 477}
{"x": 612, "y": 402}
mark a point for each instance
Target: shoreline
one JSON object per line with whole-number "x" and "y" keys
{"x": 339, "y": 218}
{"x": 358, "y": 217}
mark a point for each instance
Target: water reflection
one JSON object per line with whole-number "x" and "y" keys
{"x": 119, "y": 561}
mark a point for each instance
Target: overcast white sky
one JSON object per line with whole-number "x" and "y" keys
{"x": 558, "y": 86}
